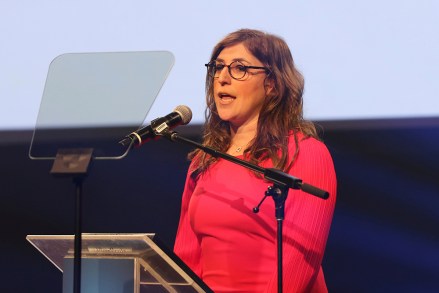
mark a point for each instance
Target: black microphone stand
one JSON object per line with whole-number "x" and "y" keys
{"x": 282, "y": 182}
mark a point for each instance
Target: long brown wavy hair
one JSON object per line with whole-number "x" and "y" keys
{"x": 281, "y": 113}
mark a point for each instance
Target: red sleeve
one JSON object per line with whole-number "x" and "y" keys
{"x": 307, "y": 221}
{"x": 186, "y": 243}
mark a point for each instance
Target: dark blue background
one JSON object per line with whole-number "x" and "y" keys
{"x": 385, "y": 232}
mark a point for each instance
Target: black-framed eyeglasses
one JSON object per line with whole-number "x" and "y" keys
{"x": 237, "y": 70}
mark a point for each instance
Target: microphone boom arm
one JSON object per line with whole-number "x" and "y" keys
{"x": 273, "y": 175}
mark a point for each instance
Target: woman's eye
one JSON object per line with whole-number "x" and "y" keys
{"x": 241, "y": 68}
{"x": 219, "y": 67}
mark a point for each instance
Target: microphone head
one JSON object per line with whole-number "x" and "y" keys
{"x": 185, "y": 113}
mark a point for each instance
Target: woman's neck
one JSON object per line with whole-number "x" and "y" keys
{"x": 241, "y": 137}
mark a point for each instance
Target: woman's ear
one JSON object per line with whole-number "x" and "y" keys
{"x": 270, "y": 87}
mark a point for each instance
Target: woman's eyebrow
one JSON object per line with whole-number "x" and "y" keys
{"x": 233, "y": 60}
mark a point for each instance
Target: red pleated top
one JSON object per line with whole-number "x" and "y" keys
{"x": 233, "y": 249}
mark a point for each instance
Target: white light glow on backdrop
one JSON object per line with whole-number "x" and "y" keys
{"x": 360, "y": 59}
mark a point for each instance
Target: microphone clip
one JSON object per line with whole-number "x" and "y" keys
{"x": 161, "y": 128}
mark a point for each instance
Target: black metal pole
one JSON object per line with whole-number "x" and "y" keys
{"x": 279, "y": 256}
{"x": 78, "y": 236}
{"x": 74, "y": 163}
{"x": 279, "y": 193}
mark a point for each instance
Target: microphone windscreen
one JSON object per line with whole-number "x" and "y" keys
{"x": 185, "y": 113}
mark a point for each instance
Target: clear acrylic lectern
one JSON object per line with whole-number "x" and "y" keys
{"x": 121, "y": 263}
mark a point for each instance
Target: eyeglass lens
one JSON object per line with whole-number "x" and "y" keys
{"x": 236, "y": 69}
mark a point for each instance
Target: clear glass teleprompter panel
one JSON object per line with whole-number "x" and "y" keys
{"x": 92, "y": 100}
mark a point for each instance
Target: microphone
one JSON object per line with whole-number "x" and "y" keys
{"x": 181, "y": 115}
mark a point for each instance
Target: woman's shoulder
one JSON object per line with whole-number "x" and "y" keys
{"x": 307, "y": 144}
{"x": 312, "y": 157}
{"x": 297, "y": 137}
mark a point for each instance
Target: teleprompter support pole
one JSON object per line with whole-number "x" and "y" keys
{"x": 74, "y": 163}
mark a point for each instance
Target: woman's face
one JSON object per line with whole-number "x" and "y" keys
{"x": 239, "y": 101}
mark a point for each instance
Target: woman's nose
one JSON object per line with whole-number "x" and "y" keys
{"x": 224, "y": 76}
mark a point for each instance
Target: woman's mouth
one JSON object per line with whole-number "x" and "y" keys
{"x": 226, "y": 97}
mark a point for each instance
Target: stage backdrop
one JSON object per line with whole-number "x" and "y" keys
{"x": 384, "y": 236}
